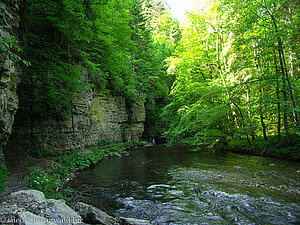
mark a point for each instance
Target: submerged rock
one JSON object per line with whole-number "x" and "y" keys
{"x": 133, "y": 221}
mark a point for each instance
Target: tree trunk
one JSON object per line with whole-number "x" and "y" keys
{"x": 232, "y": 112}
{"x": 291, "y": 64}
{"x": 261, "y": 115}
{"x": 296, "y": 121}
{"x": 249, "y": 114}
{"x": 278, "y": 97}
{"x": 285, "y": 123}
{"x": 284, "y": 69}
{"x": 243, "y": 121}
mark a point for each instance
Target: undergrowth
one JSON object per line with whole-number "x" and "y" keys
{"x": 3, "y": 174}
{"x": 272, "y": 147}
{"x": 50, "y": 180}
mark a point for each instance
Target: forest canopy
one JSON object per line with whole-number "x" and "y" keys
{"x": 237, "y": 73}
{"x": 231, "y": 71}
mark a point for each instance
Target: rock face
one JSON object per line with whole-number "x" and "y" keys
{"x": 95, "y": 117}
{"x": 9, "y": 70}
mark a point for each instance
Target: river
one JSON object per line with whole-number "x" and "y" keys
{"x": 172, "y": 185}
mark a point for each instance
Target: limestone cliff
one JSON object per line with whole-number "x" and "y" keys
{"x": 9, "y": 70}
{"x": 95, "y": 117}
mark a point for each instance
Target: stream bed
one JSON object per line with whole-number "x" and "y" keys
{"x": 171, "y": 185}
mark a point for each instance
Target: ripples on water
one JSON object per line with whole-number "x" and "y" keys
{"x": 175, "y": 186}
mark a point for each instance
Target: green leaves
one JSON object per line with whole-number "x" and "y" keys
{"x": 228, "y": 69}
{"x": 3, "y": 174}
{"x": 9, "y": 46}
{"x": 45, "y": 181}
{"x": 66, "y": 38}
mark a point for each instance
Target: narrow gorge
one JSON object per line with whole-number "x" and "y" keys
{"x": 151, "y": 116}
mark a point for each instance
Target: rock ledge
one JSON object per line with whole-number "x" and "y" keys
{"x": 30, "y": 207}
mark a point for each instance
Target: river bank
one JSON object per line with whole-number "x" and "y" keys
{"x": 283, "y": 149}
{"x": 46, "y": 179}
{"x": 49, "y": 173}
{"x": 51, "y": 178}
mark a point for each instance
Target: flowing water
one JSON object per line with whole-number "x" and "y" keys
{"x": 171, "y": 185}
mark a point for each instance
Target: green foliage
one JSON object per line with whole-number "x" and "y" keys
{"x": 9, "y": 44}
{"x": 273, "y": 147}
{"x": 154, "y": 125}
{"x": 106, "y": 142}
{"x": 165, "y": 29}
{"x": 55, "y": 76}
{"x": 3, "y": 174}
{"x": 152, "y": 78}
{"x": 41, "y": 153}
{"x": 110, "y": 46}
{"x": 234, "y": 74}
{"x": 45, "y": 181}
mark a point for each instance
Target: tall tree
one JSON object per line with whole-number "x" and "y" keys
{"x": 228, "y": 64}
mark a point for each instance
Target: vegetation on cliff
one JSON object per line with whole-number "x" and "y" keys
{"x": 110, "y": 46}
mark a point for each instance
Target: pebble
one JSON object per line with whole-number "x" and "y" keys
{"x": 237, "y": 167}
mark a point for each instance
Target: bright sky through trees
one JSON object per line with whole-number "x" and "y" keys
{"x": 179, "y": 7}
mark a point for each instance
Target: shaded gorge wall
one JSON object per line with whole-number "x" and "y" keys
{"x": 9, "y": 69}
{"x": 95, "y": 117}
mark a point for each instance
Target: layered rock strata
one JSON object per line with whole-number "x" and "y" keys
{"x": 96, "y": 117}
{"x": 9, "y": 69}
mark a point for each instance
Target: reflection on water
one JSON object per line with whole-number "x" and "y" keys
{"x": 171, "y": 185}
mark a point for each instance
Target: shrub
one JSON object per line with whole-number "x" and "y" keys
{"x": 272, "y": 147}
{"x": 3, "y": 174}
